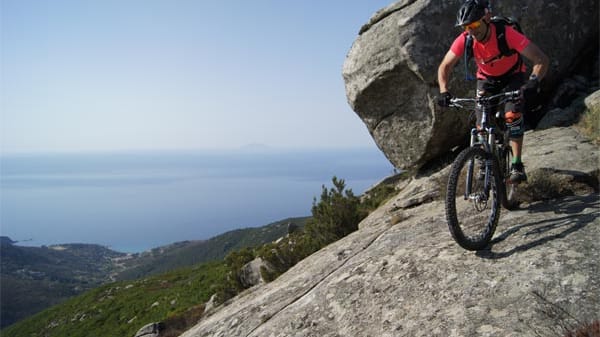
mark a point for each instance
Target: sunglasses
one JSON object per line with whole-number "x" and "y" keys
{"x": 472, "y": 25}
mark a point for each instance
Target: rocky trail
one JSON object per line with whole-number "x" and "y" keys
{"x": 401, "y": 274}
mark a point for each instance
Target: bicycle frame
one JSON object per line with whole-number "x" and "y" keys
{"x": 485, "y": 135}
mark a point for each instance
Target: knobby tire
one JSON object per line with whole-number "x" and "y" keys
{"x": 472, "y": 221}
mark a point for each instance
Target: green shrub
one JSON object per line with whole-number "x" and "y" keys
{"x": 337, "y": 213}
{"x": 545, "y": 184}
{"x": 267, "y": 275}
{"x": 377, "y": 196}
{"x": 589, "y": 124}
{"x": 121, "y": 308}
{"x": 232, "y": 285}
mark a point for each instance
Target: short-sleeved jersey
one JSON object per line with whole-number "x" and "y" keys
{"x": 486, "y": 54}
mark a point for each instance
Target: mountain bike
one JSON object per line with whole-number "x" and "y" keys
{"x": 479, "y": 180}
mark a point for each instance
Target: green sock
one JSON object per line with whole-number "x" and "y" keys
{"x": 516, "y": 160}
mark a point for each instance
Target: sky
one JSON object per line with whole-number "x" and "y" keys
{"x": 112, "y": 75}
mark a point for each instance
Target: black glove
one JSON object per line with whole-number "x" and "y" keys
{"x": 443, "y": 99}
{"x": 531, "y": 90}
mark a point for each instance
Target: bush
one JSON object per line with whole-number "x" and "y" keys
{"x": 336, "y": 214}
{"x": 232, "y": 284}
{"x": 587, "y": 330}
{"x": 377, "y": 196}
{"x": 545, "y": 184}
{"x": 589, "y": 124}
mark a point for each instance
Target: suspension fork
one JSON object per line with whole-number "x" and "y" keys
{"x": 488, "y": 146}
{"x": 471, "y": 165}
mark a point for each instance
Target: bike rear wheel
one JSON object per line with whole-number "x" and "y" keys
{"x": 473, "y": 198}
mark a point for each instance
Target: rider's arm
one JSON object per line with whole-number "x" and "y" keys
{"x": 540, "y": 61}
{"x": 529, "y": 50}
{"x": 445, "y": 69}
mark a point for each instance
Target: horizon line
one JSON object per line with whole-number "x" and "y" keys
{"x": 249, "y": 148}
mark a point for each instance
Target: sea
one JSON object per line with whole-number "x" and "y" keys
{"x": 138, "y": 200}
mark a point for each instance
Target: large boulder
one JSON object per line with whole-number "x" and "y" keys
{"x": 390, "y": 72}
{"x": 250, "y": 274}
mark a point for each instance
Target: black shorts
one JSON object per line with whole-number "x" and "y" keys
{"x": 492, "y": 86}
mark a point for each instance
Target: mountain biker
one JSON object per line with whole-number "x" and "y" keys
{"x": 496, "y": 72}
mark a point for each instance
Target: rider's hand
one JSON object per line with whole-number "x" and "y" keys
{"x": 443, "y": 99}
{"x": 531, "y": 90}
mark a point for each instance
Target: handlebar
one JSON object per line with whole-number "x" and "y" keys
{"x": 508, "y": 96}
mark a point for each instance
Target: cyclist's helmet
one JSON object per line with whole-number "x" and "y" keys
{"x": 471, "y": 11}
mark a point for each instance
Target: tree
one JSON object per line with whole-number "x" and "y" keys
{"x": 336, "y": 215}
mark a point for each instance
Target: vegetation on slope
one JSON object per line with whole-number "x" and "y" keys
{"x": 337, "y": 213}
{"x": 589, "y": 124}
{"x": 34, "y": 278}
{"x": 121, "y": 308}
{"x": 189, "y": 253}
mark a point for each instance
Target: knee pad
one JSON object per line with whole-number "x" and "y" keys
{"x": 514, "y": 123}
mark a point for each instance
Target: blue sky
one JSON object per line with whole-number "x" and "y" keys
{"x": 97, "y": 75}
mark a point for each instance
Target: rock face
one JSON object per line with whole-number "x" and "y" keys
{"x": 401, "y": 274}
{"x": 250, "y": 273}
{"x": 592, "y": 102}
{"x": 150, "y": 330}
{"x": 391, "y": 70}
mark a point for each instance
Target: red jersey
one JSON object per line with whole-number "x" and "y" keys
{"x": 485, "y": 54}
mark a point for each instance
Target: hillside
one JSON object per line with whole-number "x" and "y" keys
{"x": 180, "y": 297}
{"x": 189, "y": 253}
{"x": 119, "y": 308}
{"x": 35, "y": 278}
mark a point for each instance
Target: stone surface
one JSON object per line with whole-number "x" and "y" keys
{"x": 561, "y": 149}
{"x": 250, "y": 274}
{"x": 593, "y": 101}
{"x": 401, "y": 274}
{"x": 150, "y": 330}
{"x": 570, "y": 99}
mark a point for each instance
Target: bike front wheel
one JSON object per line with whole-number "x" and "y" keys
{"x": 473, "y": 198}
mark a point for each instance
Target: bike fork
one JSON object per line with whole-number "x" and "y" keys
{"x": 488, "y": 179}
{"x": 487, "y": 182}
{"x": 469, "y": 180}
